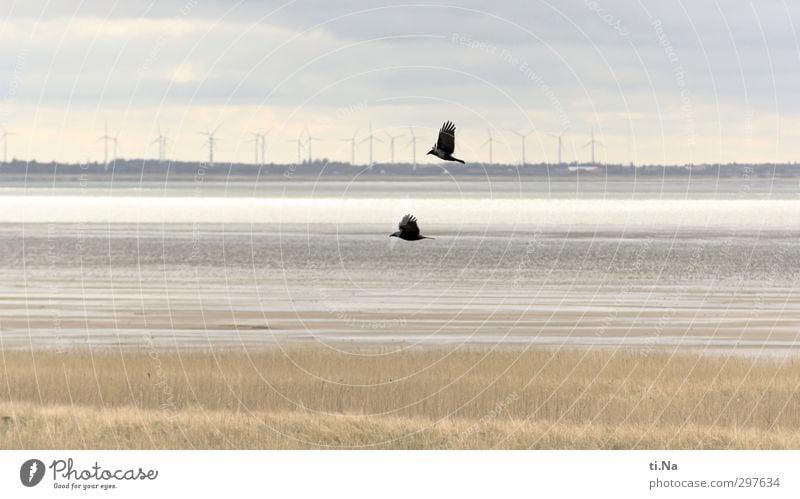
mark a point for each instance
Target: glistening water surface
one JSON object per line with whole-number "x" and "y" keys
{"x": 676, "y": 264}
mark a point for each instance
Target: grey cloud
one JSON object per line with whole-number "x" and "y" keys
{"x": 581, "y": 56}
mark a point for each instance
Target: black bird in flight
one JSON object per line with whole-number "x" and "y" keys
{"x": 446, "y": 144}
{"x": 409, "y": 230}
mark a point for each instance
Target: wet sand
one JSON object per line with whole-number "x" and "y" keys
{"x": 210, "y": 286}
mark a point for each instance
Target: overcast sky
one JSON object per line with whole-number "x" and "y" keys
{"x": 674, "y": 82}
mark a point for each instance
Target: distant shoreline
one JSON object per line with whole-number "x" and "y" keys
{"x": 154, "y": 171}
{"x": 89, "y": 179}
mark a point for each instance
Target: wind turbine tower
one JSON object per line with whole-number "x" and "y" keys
{"x": 370, "y": 138}
{"x": 263, "y": 137}
{"x": 106, "y": 138}
{"x": 161, "y": 140}
{"x": 490, "y": 141}
{"x": 522, "y": 137}
{"x": 352, "y": 141}
{"x": 391, "y": 143}
{"x": 212, "y": 140}
{"x": 115, "y": 141}
{"x": 256, "y": 140}
{"x": 560, "y": 136}
{"x": 299, "y": 142}
{"x": 310, "y": 140}
{"x": 413, "y": 143}
{"x": 592, "y": 143}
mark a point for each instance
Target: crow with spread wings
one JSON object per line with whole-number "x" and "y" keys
{"x": 409, "y": 230}
{"x": 446, "y": 144}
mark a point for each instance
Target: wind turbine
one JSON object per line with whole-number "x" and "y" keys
{"x": 161, "y": 140}
{"x": 559, "y": 137}
{"x": 114, "y": 139}
{"x": 370, "y": 138}
{"x": 106, "y": 138}
{"x": 352, "y": 141}
{"x": 522, "y": 137}
{"x": 310, "y": 140}
{"x": 212, "y": 139}
{"x": 490, "y": 142}
{"x": 257, "y": 142}
{"x": 391, "y": 143}
{"x": 413, "y": 143}
{"x": 592, "y": 143}
{"x": 299, "y": 141}
{"x": 5, "y": 134}
{"x": 263, "y": 137}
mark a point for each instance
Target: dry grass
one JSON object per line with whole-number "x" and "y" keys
{"x": 311, "y": 397}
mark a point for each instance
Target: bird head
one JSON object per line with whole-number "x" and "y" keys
{"x": 396, "y": 234}
{"x": 430, "y": 152}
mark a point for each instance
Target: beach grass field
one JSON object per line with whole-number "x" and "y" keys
{"x": 316, "y": 397}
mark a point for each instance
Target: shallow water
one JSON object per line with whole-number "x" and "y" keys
{"x": 701, "y": 265}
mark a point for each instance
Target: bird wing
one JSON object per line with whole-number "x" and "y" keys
{"x": 408, "y": 226}
{"x": 447, "y": 138}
